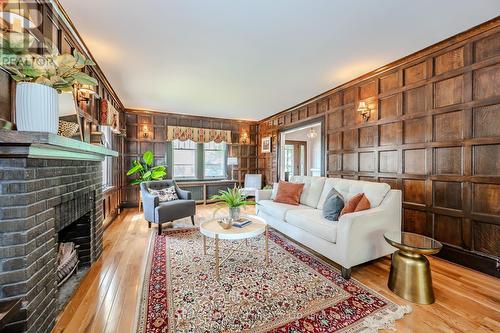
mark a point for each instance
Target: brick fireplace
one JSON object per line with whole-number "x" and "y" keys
{"x": 43, "y": 201}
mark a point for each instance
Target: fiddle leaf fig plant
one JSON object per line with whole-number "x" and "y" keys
{"x": 59, "y": 71}
{"x": 145, "y": 170}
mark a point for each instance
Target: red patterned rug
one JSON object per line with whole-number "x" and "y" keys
{"x": 296, "y": 292}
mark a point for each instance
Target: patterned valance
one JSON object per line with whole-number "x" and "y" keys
{"x": 197, "y": 134}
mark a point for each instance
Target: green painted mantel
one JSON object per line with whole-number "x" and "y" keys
{"x": 15, "y": 144}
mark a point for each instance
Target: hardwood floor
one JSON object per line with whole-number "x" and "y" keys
{"x": 106, "y": 300}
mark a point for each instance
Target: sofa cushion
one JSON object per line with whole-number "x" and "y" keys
{"x": 311, "y": 220}
{"x": 333, "y": 205}
{"x": 276, "y": 209}
{"x": 312, "y": 189}
{"x": 375, "y": 192}
{"x": 289, "y": 193}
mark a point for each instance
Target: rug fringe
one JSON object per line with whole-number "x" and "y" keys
{"x": 385, "y": 319}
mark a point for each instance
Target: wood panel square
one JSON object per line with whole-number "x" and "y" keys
{"x": 487, "y": 82}
{"x": 350, "y": 162}
{"x": 312, "y": 109}
{"x": 334, "y": 162}
{"x": 295, "y": 115}
{"x": 390, "y": 134}
{"x": 447, "y": 194}
{"x": 132, "y": 147}
{"x": 449, "y": 61}
{"x": 486, "y": 121}
{"x": 131, "y": 131}
{"x": 448, "y": 229}
{"x": 159, "y": 149}
{"x": 487, "y": 160}
{"x": 335, "y": 141}
{"x": 448, "y": 126}
{"x": 367, "y": 90}
{"x": 145, "y": 146}
{"x": 145, "y": 120}
{"x": 392, "y": 182}
{"x": 159, "y": 120}
{"x": 324, "y": 105}
{"x": 414, "y": 130}
{"x": 367, "y": 136}
{"x": 350, "y": 116}
{"x": 348, "y": 96}
{"x": 416, "y": 221}
{"x": 159, "y": 134}
{"x": 389, "y": 82}
{"x": 388, "y": 107}
{"x": 415, "y": 73}
{"x": 487, "y": 47}
{"x": 487, "y": 238}
{"x": 367, "y": 162}
{"x": 350, "y": 139}
{"x": 335, "y": 119}
{"x": 485, "y": 198}
{"x": 414, "y": 161}
{"x": 303, "y": 113}
{"x": 414, "y": 191}
{"x": 414, "y": 100}
{"x": 449, "y": 91}
{"x": 335, "y": 100}
{"x": 131, "y": 118}
{"x": 388, "y": 161}
{"x": 448, "y": 160}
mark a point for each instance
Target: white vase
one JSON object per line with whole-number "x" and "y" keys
{"x": 37, "y": 108}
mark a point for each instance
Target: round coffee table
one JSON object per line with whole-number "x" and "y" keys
{"x": 410, "y": 275}
{"x": 212, "y": 229}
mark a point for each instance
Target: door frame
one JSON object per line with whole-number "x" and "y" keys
{"x": 317, "y": 120}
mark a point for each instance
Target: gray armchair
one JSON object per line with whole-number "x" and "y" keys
{"x": 162, "y": 212}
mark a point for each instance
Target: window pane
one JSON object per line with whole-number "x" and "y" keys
{"x": 184, "y": 159}
{"x": 215, "y": 160}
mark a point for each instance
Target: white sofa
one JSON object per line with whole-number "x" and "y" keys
{"x": 352, "y": 240}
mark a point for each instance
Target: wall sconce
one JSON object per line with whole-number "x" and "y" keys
{"x": 145, "y": 131}
{"x": 365, "y": 110}
{"x": 244, "y": 137}
{"x": 85, "y": 91}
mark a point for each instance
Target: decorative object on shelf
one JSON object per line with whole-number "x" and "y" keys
{"x": 234, "y": 200}
{"x": 145, "y": 170}
{"x": 232, "y": 161}
{"x": 266, "y": 144}
{"x": 364, "y": 110}
{"x": 67, "y": 128}
{"x": 85, "y": 92}
{"x": 197, "y": 134}
{"x": 40, "y": 77}
{"x": 312, "y": 133}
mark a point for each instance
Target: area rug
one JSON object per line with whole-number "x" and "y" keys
{"x": 296, "y": 292}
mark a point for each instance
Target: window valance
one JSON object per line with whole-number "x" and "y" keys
{"x": 197, "y": 134}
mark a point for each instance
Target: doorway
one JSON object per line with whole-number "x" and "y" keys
{"x": 301, "y": 151}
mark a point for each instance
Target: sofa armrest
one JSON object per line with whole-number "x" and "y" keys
{"x": 360, "y": 235}
{"x": 183, "y": 194}
{"x": 149, "y": 203}
{"x": 263, "y": 195}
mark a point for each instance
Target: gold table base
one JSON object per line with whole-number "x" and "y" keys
{"x": 410, "y": 277}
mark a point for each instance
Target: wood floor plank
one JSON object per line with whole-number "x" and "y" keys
{"x": 106, "y": 300}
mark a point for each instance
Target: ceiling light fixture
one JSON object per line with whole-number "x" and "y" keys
{"x": 312, "y": 133}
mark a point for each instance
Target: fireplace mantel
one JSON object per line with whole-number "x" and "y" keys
{"x": 49, "y": 146}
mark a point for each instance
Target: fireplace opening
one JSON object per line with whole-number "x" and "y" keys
{"x": 73, "y": 257}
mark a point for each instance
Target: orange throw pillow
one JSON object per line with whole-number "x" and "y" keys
{"x": 289, "y": 193}
{"x": 357, "y": 203}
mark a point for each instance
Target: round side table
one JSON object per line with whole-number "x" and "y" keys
{"x": 410, "y": 275}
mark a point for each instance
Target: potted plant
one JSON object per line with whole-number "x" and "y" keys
{"x": 234, "y": 200}
{"x": 145, "y": 169}
{"x": 40, "y": 77}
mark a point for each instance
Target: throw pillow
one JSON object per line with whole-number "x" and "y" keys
{"x": 289, "y": 193}
{"x": 275, "y": 190}
{"x": 334, "y": 203}
{"x": 357, "y": 203}
{"x": 165, "y": 194}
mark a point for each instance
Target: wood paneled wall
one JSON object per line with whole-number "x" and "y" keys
{"x": 157, "y": 123}
{"x": 434, "y": 133}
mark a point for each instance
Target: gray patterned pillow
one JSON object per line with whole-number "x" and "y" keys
{"x": 333, "y": 205}
{"x": 165, "y": 194}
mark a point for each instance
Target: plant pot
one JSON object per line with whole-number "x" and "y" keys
{"x": 234, "y": 213}
{"x": 37, "y": 108}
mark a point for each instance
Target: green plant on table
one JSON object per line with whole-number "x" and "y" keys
{"x": 145, "y": 169}
{"x": 233, "y": 199}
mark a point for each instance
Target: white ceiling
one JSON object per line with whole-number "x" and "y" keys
{"x": 249, "y": 59}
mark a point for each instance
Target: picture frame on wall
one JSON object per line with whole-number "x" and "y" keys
{"x": 266, "y": 144}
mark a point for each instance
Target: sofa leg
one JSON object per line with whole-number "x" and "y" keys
{"x": 159, "y": 228}
{"x": 192, "y": 219}
{"x": 346, "y": 273}
{"x": 149, "y": 225}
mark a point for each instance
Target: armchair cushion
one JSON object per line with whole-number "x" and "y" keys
{"x": 174, "y": 210}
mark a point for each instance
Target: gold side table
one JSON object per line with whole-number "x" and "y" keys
{"x": 410, "y": 275}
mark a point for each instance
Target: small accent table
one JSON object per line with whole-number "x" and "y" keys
{"x": 213, "y": 230}
{"x": 410, "y": 276}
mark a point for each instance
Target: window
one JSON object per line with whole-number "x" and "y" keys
{"x": 214, "y": 156}
{"x": 184, "y": 159}
{"x": 107, "y": 164}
